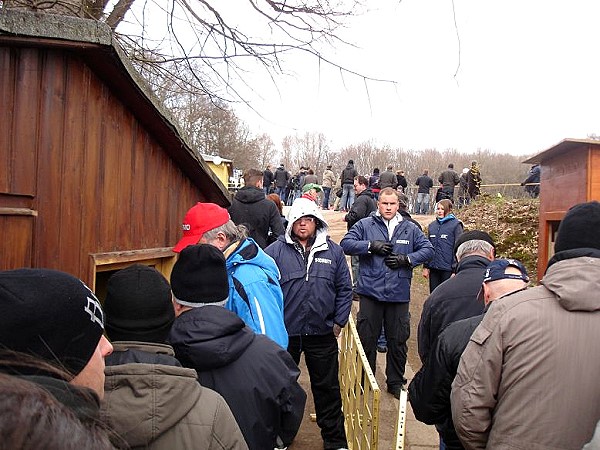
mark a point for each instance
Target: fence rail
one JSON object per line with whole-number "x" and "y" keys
{"x": 361, "y": 396}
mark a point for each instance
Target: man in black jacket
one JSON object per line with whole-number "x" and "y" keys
{"x": 252, "y": 209}
{"x": 456, "y": 298}
{"x": 429, "y": 391}
{"x": 363, "y": 206}
{"x": 257, "y": 378}
{"x": 268, "y": 178}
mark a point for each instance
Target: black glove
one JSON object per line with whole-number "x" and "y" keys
{"x": 381, "y": 248}
{"x": 396, "y": 261}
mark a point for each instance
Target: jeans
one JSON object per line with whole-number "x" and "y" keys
{"x": 396, "y": 320}
{"x": 281, "y": 192}
{"x": 326, "y": 192}
{"x": 422, "y": 203}
{"x": 347, "y": 197}
{"x": 321, "y": 356}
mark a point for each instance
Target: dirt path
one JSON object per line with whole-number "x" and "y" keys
{"x": 418, "y": 436}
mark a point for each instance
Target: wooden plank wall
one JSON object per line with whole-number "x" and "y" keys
{"x": 97, "y": 178}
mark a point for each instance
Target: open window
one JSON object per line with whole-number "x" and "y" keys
{"x": 105, "y": 264}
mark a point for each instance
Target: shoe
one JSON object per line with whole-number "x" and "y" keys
{"x": 382, "y": 349}
{"x": 395, "y": 390}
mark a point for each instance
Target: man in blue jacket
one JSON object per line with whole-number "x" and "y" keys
{"x": 388, "y": 247}
{"x": 318, "y": 295}
{"x": 254, "y": 291}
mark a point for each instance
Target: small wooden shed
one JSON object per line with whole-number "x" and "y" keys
{"x": 570, "y": 175}
{"x": 94, "y": 174}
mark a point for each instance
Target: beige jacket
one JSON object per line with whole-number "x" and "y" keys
{"x": 529, "y": 377}
{"x": 159, "y": 406}
{"x": 329, "y": 178}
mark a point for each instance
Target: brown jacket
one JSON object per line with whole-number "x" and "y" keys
{"x": 528, "y": 378}
{"x": 159, "y": 406}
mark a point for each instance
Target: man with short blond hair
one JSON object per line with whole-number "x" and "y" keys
{"x": 388, "y": 248}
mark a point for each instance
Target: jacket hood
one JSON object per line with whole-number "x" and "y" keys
{"x": 304, "y": 207}
{"x": 570, "y": 280}
{"x": 250, "y": 194}
{"x": 160, "y": 396}
{"x": 209, "y": 337}
{"x": 248, "y": 252}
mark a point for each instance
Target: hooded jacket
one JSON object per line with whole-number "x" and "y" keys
{"x": 281, "y": 177}
{"x": 256, "y": 377}
{"x": 528, "y": 378}
{"x": 160, "y": 406}
{"x": 251, "y": 208}
{"x": 376, "y": 279}
{"x": 316, "y": 287}
{"x": 254, "y": 291}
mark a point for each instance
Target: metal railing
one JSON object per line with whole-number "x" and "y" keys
{"x": 361, "y": 395}
{"x": 509, "y": 190}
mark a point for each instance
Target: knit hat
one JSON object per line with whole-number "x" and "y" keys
{"x": 578, "y": 228}
{"x": 473, "y": 235}
{"x": 138, "y": 305}
{"x": 199, "y": 276}
{"x": 201, "y": 218}
{"x": 51, "y": 315}
{"x": 309, "y": 186}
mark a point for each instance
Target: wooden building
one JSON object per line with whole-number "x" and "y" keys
{"x": 570, "y": 175}
{"x": 93, "y": 173}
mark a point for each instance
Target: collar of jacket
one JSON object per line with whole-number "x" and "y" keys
{"x": 573, "y": 253}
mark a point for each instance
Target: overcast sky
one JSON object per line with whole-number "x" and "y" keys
{"x": 526, "y": 76}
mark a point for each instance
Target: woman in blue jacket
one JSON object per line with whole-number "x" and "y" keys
{"x": 442, "y": 233}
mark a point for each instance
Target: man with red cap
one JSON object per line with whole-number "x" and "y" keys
{"x": 254, "y": 291}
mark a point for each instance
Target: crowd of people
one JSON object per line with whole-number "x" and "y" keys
{"x": 210, "y": 358}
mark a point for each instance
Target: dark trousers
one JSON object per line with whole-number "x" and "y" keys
{"x": 321, "y": 356}
{"x": 326, "y": 194}
{"x": 396, "y": 323}
{"x": 437, "y": 277}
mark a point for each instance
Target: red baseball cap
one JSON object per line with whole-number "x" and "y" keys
{"x": 202, "y": 217}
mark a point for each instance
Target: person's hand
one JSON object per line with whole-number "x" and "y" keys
{"x": 397, "y": 261}
{"x": 336, "y": 330}
{"x": 381, "y": 248}
{"x": 425, "y": 273}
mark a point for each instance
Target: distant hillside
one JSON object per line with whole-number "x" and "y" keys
{"x": 512, "y": 223}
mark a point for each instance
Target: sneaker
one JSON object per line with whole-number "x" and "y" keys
{"x": 382, "y": 349}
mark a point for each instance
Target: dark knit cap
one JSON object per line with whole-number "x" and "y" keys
{"x": 579, "y": 227}
{"x": 51, "y": 315}
{"x": 138, "y": 305}
{"x": 199, "y": 276}
{"x": 473, "y": 235}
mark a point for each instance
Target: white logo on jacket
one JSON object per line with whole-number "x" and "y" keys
{"x": 323, "y": 260}
{"x": 402, "y": 241}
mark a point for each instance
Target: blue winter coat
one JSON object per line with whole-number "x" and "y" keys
{"x": 318, "y": 290}
{"x": 254, "y": 291}
{"x": 442, "y": 234}
{"x": 376, "y": 279}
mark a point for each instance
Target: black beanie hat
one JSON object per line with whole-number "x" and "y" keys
{"x": 473, "y": 235}
{"x": 138, "y": 305}
{"x": 51, "y": 315}
{"x": 199, "y": 276}
{"x": 579, "y": 227}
